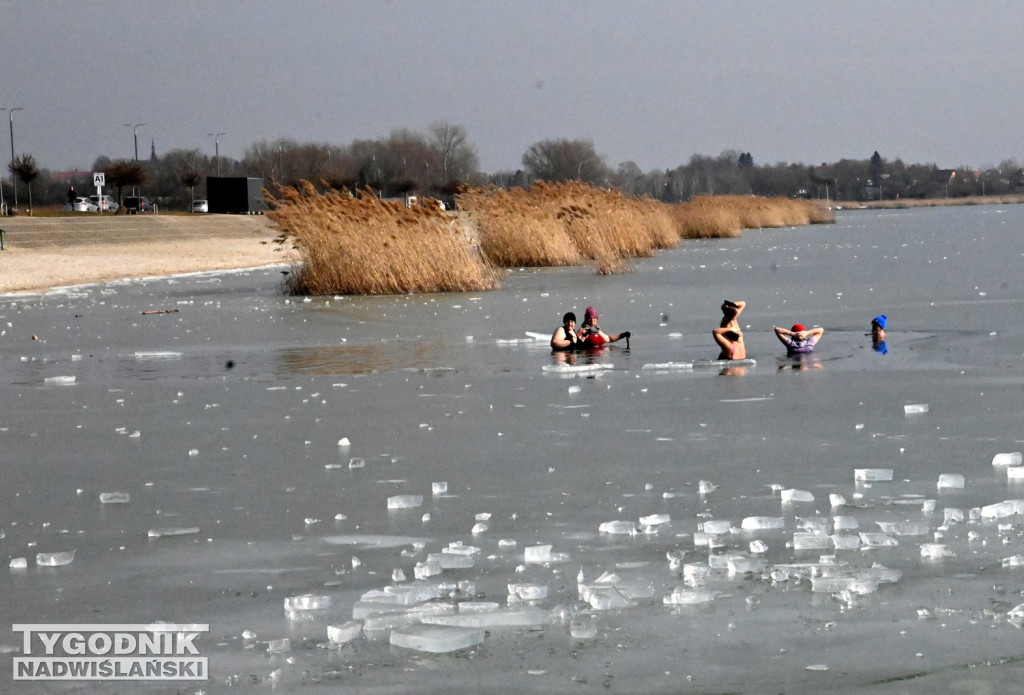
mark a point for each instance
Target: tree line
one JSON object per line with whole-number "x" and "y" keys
{"x": 438, "y": 162}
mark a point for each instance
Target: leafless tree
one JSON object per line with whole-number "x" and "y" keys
{"x": 24, "y": 167}
{"x": 566, "y": 160}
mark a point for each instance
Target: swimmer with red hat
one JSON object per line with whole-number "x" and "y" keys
{"x": 799, "y": 340}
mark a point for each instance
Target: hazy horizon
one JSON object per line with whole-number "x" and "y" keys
{"x": 649, "y": 82}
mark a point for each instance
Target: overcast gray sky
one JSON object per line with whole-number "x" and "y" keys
{"x": 928, "y": 81}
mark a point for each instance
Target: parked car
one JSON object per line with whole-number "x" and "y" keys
{"x": 200, "y": 206}
{"x": 80, "y": 205}
{"x": 105, "y": 203}
{"x": 137, "y": 203}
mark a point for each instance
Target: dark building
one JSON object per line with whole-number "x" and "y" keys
{"x": 235, "y": 195}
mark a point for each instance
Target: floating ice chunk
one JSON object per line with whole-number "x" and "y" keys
{"x": 952, "y": 515}
{"x": 405, "y": 501}
{"x": 156, "y": 355}
{"x": 1012, "y": 458}
{"x": 836, "y": 500}
{"x": 706, "y": 486}
{"x": 743, "y": 565}
{"x": 950, "y": 481}
{"x": 682, "y": 596}
{"x": 927, "y": 505}
{"x": 915, "y": 408}
{"x": 844, "y": 523}
{"x": 279, "y": 646}
{"x": 759, "y": 523}
{"x": 303, "y": 608}
{"x": 813, "y": 524}
{"x": 830, "y": 584}
{"x": 431, "y": 568}
{"x": 668, "y": 366}
{"x": 1013, "y": 561}
{"x": 452, "y": 561}
{"x": 344, "y": 442}
{"x": 346, "y": 632}
{"x": 478, "y": 529}
{"x": 696, "y": 573}
{"x": 1015, "y": 473}
{"x": 654, "y": 520}
{"x": 904, "y": 528}
{"x": 872, "y": 474}
{"x": 515, "y": 616}
{"x": 440, "y": 488}
{"x": 933, "y": 551}
{"x": 19, "y": 563}
{"x": 1002, "y": 509}
{"x": 59, "y": 380}
{"x": 877, "y": 540}
{"x": 574, "y": 389}
{"x": 401, "y": 595}
{"x": 307, "y": 602}
{"x": 575, "y": 368}
{"x": 811, "y": 541}
{"x": 528, "y": 592}
{"x": 114, "y": 498}
{"x": 717, "y": 526}
{"x": 356, "y": 462}
{"x": 618, "y": 528}
{"x": 167, "y": 531}
{"x": 582, "y": 627}
{"x": 758, "y": 547}
{"x": 845, "y": 541}
{"x": 538, "y": 554}
{"x": 606, "y": 598}
{"x": 791, "y": 495}
{"x": 55, "y": 559}
{"x": 436, "y": 639}
{"x": 398, "y": 575}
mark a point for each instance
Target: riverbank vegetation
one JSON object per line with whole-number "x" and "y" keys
{"x": 364, "y": 245}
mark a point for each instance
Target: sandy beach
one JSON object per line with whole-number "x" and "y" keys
{"x": 42, "y": 253}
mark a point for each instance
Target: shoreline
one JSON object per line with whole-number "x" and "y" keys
{"x": 42, "y": 259}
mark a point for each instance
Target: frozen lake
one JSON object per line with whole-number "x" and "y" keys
{"x": 269, "y": 433}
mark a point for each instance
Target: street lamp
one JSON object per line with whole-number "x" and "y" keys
{"x": 14, "y": 177}
{"x": 216, "y": 149}
{"x": 135, "y": 132}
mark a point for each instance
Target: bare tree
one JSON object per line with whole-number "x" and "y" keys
{"x": 457, "y": 156}
{"x": 565, "y": 160}
{"x": 24, "y": 167}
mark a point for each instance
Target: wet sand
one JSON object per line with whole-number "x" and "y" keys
{"x": 43, "y": 253}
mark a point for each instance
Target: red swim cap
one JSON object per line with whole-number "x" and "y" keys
{"x": 797, "y": 327}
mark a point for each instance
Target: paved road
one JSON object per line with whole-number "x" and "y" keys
{"x": 92, "y": 229}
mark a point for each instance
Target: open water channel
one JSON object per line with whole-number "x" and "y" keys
{"x": 256, "y": 440}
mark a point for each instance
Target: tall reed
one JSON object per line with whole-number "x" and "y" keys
{"x": 364, "y": 245}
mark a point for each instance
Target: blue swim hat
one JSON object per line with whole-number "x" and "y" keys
{"x": 879, "y": 321}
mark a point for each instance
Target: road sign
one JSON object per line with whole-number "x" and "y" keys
{"x": 99, "y": 179}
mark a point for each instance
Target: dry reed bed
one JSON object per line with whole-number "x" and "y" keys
{"x": 712, "y": 217}
{"x": 566, "y": 224}
{"x": 367, "y": 246}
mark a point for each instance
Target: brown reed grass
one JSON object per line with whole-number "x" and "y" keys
{"x": 364, "y": 245}
{"x": 567, "y": 224}
{"x": 710, "y": 217}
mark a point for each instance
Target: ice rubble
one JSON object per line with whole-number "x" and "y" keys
{"x": 442, "y": 610}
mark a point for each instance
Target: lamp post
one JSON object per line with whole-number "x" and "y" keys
{"x": 14, "y": 177}
{"x": 216, "y": 149}
{"x": 135, "y": 132}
